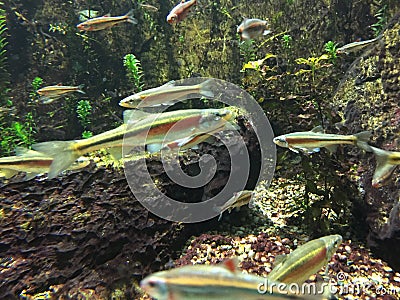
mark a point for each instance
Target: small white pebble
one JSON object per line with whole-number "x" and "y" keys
{"x": 387, "y": 269}
{"x": 348, "y": 249}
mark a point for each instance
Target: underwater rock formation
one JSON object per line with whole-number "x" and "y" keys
{"x": 86, "y": 233}
{"x": 368, "y": 99}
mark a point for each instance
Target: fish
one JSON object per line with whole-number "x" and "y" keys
{"x": 105, "y": 22}
{"x": 139, "y": 128}
{"x": 53, "y": 92}
{"x": 386, "y": 162}
{"x": 220, "y": 282}
{"x": 305, "y": 261}
{"x": 87, "y": 14}
{"x": 32, "y": 163}
{"x": 180, "y": 12}
{"x": 312, "y": 141}
{"x": 148, "y": 7}
{"x": 192, "y": 142}
{"x": 166, "y": 94}
{"x": 239, "y": 199}
{"x": 357, "y": 46}
{"x": 249, "y": 29}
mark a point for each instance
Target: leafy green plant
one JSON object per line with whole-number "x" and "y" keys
{"x": 314, "y": 63}
{"x": 381, "y": 16}
{"x": 247, "y": 50}
{"x": 19, "y": 133}
{"x": 287, "y": 41}
{"x": 331, "y": 48}
{"x": 134, "y": 71}
{"x": 59, "y": 27}
{"x": 83, "y": 111}
{"x": 35, "y": 85}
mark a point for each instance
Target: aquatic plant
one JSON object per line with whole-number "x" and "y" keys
{"x": 247, "y": 50}
{"x": 381, "y": 16}
{"x": 59, "y": 27}
{"x": 134, "y": 71}
{"x": 19, "y": 133}
{"x": 83, "y": 111}
{"x": 287, "y": 41}
{"x": 4, "y": 75}
{"x": 331, "y": 48}
{"x": 35, "y": 85}
{"x": 314, "y": 64}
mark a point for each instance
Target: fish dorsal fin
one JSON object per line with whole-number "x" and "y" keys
{"x": 21, "y": 151}
{"x": 133, "y": 115}
{"x": 231, "y": 264}
{"x": 318, "y": 129}
{"x": 280, "y": 259}
{"x": 169, "y": 83}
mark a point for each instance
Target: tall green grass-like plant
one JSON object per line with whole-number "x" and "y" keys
{"x": 4, "y": 75}
{"x": 134, "y": 71}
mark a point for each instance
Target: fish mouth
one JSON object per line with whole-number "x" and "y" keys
{"x": 124, "y": 104}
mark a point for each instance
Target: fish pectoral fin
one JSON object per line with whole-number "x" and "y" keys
{"x": 8, "y": 173}
{"x": 30, "y": 175}
{"x": 294, "y": 149}
{"x": 279, "y": 259}
{"x": 152, "y": 148}
{"x": 266, "y": 32}
{"x": 331, "y": 148}
{"x": 318, "y": 129}
{"x": 116, "y": 153}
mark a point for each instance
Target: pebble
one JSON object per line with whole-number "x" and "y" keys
{"x": 251, "y": 254}
{"x": 397, "y": 279}
{"x": 263, "y": 259}
{"x": 387, "y": 269}
{"x": 348, "y": 249}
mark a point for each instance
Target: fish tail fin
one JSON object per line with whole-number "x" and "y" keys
{"x": 62, "y": 152}
{"x": 80, "y": 87}
{"x": 362, "y": 140}
{"x": 383, "y": 166}
{"x": 130, "y": 17}
{"x": 205, "y": 88}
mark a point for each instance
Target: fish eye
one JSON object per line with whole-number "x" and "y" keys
{"x": 152, "y": 284}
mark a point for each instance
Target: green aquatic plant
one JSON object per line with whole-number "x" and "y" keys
{"x": 19, "y": 133}
{"x": 331, "y": 48}
{"x": 59, "y": 27}
{"x": 314, "y": 64}
{"x": 35, "y": 85}
{"x": 287, "y": 41}
{"x": 381, "y": 16}
{"x": 134, "y": 71}
{"x": 83, "y": 111}
{"x": 247, "y": 50}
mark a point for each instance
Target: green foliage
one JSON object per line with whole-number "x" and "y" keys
{"x": 331, "y": 48}
{"x": 83, "y": 111}
{"x": 315, "y": 63}
{"x": 381, "y": 16}
{"x": 247, "y": 50}
{"x": 287, "y": 41}
{"x": 134, "y": 71}
{"x": 87, "y": 134}
{"x": 35, "y": 85}
{"x": 19, "y": 133}
{"x": 59, "y": 27}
